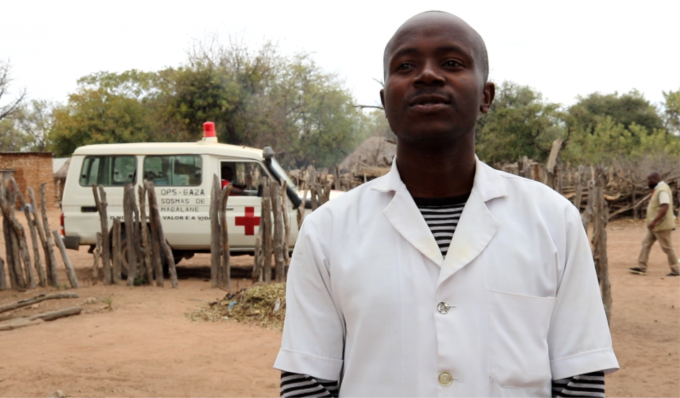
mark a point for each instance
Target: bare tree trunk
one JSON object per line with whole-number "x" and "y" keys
{"x": 34, "y": 300}
{"x": 215, "y": 276}
{"x": 70, "y": 272}
{"x": 225, "y": 270}
{"x": 266, "y": 232}
{"x": 153, "y": 208}
{"x": 30, "y": 221}
{"x": 275, "y": 191}
{"x": 128, "y": 210}
{"x": 116, "y": 251}
{"x": 155, "y": 240}
{"x": 145, "y": 234}
{"x": 48, "y": 237}
{"x": 97, "y": 253}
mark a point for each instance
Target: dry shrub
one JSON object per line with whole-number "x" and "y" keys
{"x": 263, "y": 305}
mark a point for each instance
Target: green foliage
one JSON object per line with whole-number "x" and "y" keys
{"x": 627, "y": 109}
{"x": 518, "y": 124}
{"x": 11, "y": 139}
{"x": 672, "y": 111}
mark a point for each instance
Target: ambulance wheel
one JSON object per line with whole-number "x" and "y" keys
{"x": 124, "y": 266}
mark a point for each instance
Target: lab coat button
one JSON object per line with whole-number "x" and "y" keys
{"x": 445, "y": 379}
{"x": 443, "y": 308}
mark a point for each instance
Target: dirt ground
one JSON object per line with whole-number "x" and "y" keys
{"x": 137, "y": 341}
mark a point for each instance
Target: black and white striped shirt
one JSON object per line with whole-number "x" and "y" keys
{"x": 442, "y": 216}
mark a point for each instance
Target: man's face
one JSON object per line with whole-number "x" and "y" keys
{"x": 652, "y": 181}
{"x": 434, "y": 88}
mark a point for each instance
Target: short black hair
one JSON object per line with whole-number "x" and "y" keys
{"x": 481, "y": 49}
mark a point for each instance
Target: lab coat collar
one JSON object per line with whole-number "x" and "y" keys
{"x": 476, "y": 227}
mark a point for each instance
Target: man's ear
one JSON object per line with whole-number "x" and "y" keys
{"x": 489, "y": 93}
{"x": 382, "y": 97}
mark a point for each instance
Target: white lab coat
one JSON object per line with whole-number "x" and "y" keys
{"x": 367, "y": 279}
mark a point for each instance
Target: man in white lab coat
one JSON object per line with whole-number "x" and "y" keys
{"x": 444, "y": 277}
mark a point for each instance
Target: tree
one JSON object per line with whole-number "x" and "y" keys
{"x": 518, "y": 124}
{"x": 672, "y": 111}
{"x": 11, "y": 139}
{"x": 97, "y": 116}
{"x": 626, "y": 109}
{"x": 35, "y": 121}
{"x": 14, "y": 105}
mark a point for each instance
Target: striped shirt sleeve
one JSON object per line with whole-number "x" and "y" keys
{"x": 297, "y": 385}
{"x": 587, "y": 385}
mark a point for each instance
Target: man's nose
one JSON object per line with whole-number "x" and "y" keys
{"x": 429, "y": 75}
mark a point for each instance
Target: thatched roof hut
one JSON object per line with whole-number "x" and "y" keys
{"x": 374, "y": 152}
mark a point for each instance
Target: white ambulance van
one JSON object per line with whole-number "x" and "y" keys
{"x": 182, "y": 174}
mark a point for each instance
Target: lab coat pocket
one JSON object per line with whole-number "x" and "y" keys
{"x": 518, "y": 340}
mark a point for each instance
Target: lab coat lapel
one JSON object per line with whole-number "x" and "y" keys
{"x": 477, "y": 226}
{"x": 405, "y": 217}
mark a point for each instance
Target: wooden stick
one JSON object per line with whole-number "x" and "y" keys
{"x": 70, "y": 272}
{"x": 215, "y": 277}
{"x": 36, "y": 299}
{"x": 128, "y": 205}
{"x": 97, "y": 252}
{"x": 224, "y": 237}
{"x": 266, "y": 235}
{"x": 3, "y": 281}
{"x": 116, "y": 250}
{"x": 23, "y": 247}
{"x": 278, "y": 231}
{"x": 100, "y": 201}
{"x": 30, "y": 221}
{"x": 8, "y": 243}
{"x": 52, "y": 315}
{"x": 286, "y": 223}
{"x": 48, "y": 237}
{"x": 16, "y": 272}
{"x": 19, "y": 323}
{"x": 161, "y": 237}
{"x": 43, "y": 239}
{"x": 155, "y": 241}
{"x": 144, "y": 227}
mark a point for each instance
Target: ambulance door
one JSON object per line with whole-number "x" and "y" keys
{"x": 244, "y": 204}
{"x": 183, "y": 197}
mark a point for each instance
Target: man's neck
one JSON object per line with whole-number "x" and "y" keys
{"x": 437, "y": 171}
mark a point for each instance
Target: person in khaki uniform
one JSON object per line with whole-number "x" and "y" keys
{"x": 660, "y": 224}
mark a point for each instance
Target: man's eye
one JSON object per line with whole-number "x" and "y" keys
{"x": 452, "y": 64}
{"x": 404, "y": 67}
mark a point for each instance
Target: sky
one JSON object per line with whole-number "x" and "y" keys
{"x": 563, "y": 49}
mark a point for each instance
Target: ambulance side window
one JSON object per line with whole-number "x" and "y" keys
{"x": 108, "y": 170}
{"x": 243, "y": 175}
{"x": 174, "y": 170}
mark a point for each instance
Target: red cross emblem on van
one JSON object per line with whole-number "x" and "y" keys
{"x": 249, "y": 221}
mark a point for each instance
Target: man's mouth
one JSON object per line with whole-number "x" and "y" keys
{"x": 429, "y": 102}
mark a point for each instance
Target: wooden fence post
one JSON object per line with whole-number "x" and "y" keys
{"x": 48, "y": 237}
{"x": 215, "y": 232}
{"x": 100, "y": 202}
{"x": 34, "y": 239}
{"x": 155, "y": 241}
{"x": 97, "y": 254}
{"x": 116, "y": 250}
{"x": 578, "y": 196}
{"x": 600, "y": 242}
{"x": 70, "y": 272}
{"x": 275, "y": 191}
{"x": 153, "y": 208}
{"x": 267, "y": 231}
{"x": 286, "y": 223}
{"x": 128, "y": 204}
{"x": 42, "y": 237}
{"x": 7, "y": 201}
{"x": 145, "y": 234}
{"x": 3, "y": 281}
{"x": 225, "y": 269}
